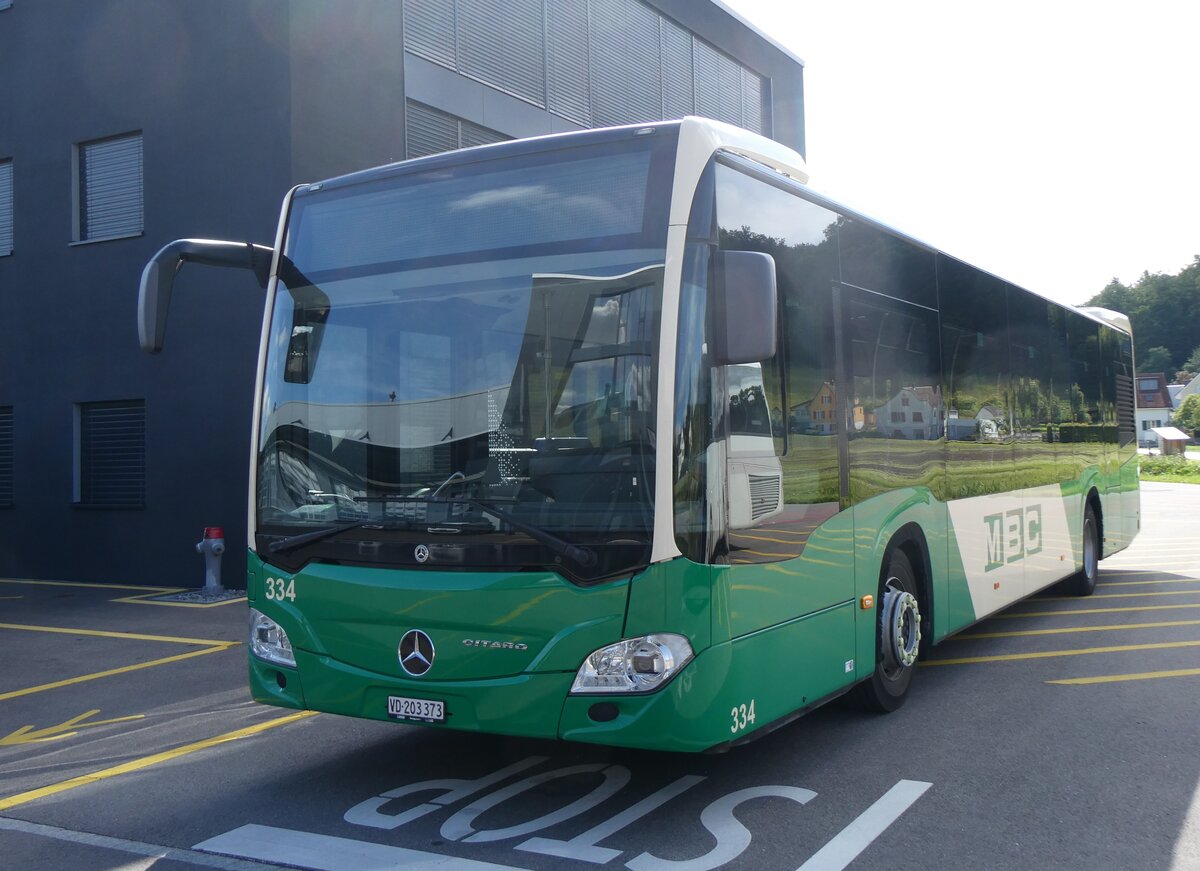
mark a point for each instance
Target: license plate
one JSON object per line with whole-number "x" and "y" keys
{"x": 427, "y": 711}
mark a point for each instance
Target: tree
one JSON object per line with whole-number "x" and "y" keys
{"x": 1191, "y": 367}
{"x": 1154, "y": 360}
{"x": 1165, "y": 312}
{"x": 1187, "y": 416}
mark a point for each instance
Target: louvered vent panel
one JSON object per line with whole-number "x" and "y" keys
{"x": 1126, "y": 411}
{"x": 428, "y": 131}
{"x": 765, "y": 491}
{"x": 567, "y": 60}
{"x": 625, "y": 67}
{"x": 752, "y": 102}
{"x": 474, "y": 134}
{"x": 676, "y": 56}
{"x": 500, "y": 42}
{"x": 429, "y": 30}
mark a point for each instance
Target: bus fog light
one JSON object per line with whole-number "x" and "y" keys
{"x": 268, "y": 640}
{"x": 636, "y": 665}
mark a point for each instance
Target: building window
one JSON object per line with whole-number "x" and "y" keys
{"x": 918, "y": 417}
{"x": 6, "y": 456}
{"x": 109, "y": 188}
{"x": 110, "y": 448}
{"x": 6, "y": 207}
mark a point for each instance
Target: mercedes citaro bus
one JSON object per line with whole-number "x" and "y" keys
{"x": 628, "y": 436}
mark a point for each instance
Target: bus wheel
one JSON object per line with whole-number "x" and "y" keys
{"x": 1083, "y": 582}
{"x": 898, "y": 638}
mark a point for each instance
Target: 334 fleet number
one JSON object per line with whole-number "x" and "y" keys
{"x": 279, "y": 589}
{"x": 743, "y": 717}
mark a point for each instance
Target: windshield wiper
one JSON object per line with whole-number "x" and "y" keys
{"x": 581, "y": 555}
{"x": 292, "y": 542}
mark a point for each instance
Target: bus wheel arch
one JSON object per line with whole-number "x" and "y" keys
{"x": 902, "y": 621}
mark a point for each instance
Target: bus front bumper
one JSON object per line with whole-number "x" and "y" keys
{"x": 679, "y": 716}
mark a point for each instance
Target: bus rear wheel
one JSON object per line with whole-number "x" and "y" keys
{"x": 897, "y": 640}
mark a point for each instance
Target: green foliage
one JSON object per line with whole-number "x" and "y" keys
{"x": 1190, "y": 369}
{"x": 1187, "y": 416}
{"x": 1193, "y": 362}
{"x": 1165, "y": 312}
{"x": 1177, "y": 469}
{"x": 1154, "y": 360}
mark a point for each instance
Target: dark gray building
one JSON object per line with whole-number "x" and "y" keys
{"x": 125, "y": 124}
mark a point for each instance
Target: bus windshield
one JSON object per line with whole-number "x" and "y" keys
{"x": 464, "y": 359}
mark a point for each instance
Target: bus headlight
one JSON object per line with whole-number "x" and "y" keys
{"x": 637, "y": 665}
{"x": 268, "y": 640}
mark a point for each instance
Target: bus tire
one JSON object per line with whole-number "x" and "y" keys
{"x": 1083, "y": 582}
{"x": 897, "y": 637}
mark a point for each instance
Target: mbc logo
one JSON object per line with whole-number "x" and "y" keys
{"x": 1013, "y": 535}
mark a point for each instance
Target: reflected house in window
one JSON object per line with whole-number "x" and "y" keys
{"x": 913, "y": 413}
{"x": 986, "y": 425}
{"x": 821, "y": 410}
{"x": 800, "y": 419}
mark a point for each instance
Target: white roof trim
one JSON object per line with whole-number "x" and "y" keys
{"x": 1170, "y": 433}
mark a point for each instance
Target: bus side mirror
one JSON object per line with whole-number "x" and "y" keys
{"x": 745, "y": 303}
{"x": 154, "y": 292}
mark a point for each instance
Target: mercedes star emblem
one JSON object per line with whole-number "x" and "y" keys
{"x": 421, "y": 553}
{"x": 416, "y": 652}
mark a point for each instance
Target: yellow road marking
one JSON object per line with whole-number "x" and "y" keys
{"x": 1049, "y": 654}
{"x": 1118, "y": 678}
{"x": 1067, "y": 629}
{"x": 1121, "y": 596}
{"x": 1093, "y": 611}
{"x": 145, "y": 599}
{"x": 144, "y": 596}
{"x": 742, "y": 537}
{"x": 30, "y": 735}
{"x": 147, "y": 761}
{"x": 761, "y": 553}
{"x": 1108, "y": 584}
{"x": 33, "y": 583}
{"x": 223, "y": 645}
{"x": 103, "y": 633}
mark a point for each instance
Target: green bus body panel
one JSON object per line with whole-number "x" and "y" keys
{"x": 779, "y": 670}
{"x": 755, "y": 596}
{"x": 674, "y": 596}
{"x": 779, "y": 636}
{"x": 487, "y": 624}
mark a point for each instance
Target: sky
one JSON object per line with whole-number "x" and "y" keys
{"x": 1054, "y": 143}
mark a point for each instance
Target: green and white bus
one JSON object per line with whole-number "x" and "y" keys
{"x": 630, "y": 437}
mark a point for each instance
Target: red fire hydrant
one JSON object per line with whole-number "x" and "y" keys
{"x": 212, "y": 546}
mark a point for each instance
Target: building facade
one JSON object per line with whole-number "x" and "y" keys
{"x": 137, "y": 122}
{"x": 1154, "y": 407}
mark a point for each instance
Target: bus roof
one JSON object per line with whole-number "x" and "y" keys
{"x": 704, "y": 132}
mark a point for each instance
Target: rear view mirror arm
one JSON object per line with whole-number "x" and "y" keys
{"x": 154, "y": 293}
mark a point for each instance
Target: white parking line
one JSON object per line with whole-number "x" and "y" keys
{"x": 153, "y": 852}
{"x": 869, "y": 825}
{"x": 327, "y": 853}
